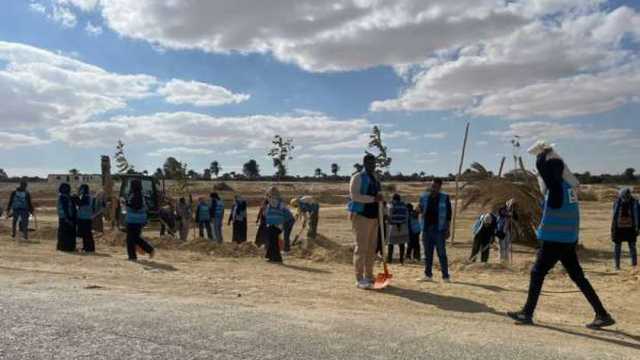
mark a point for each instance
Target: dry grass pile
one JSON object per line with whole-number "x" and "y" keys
{"x": 222, "y": 186}
{"x": 588, "y": 195}
{"x": 323, "y": 249}
{"x": 492, "y": 194}
{"x": 607, "y": 195}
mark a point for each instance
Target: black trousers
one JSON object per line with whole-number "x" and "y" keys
{"x": 481, "y": 243}
{"x": 85, "y": 230}
{"x": 390, "y": 253}
{"x": 272, "y": 246}
{"x": 134, "y": 238}
{"x": 548, "y": 255}
{"x": 413, "y": 250}
{"x": 66, "y": 236}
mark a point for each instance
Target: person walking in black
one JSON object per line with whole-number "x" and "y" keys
{"x": 559, "y": 233}
{"x": 625, "y": 226}
{"x": 136, "y": 220}
{"x": 238, "y": 217}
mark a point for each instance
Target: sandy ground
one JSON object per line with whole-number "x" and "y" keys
{"x": 322, "y": 283}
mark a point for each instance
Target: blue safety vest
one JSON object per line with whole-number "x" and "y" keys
{"x": 61, "y": 214}
{"x": 416, "y": 227}
{"x": 19, "y": 201}
{"x": 365, "y": 182}
{"x": 442, "y": 209}
{"x": 308, "y": 207}
{"x": 399, "y": 213}
{"x": 561, "y": 225}
{"x": 219, "y": 209}
{"x": 203, "y": 213}
{"x": 85, "y": 212}
{"x": 275, "y": 215}
{"x": 137, "y": 217}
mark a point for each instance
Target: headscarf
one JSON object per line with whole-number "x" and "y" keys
{"x": 540, "y": 147}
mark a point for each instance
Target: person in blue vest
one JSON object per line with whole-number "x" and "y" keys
{"x": 84, "y": 203}
{"x": 398, "y": 227}
{"x": 308, "y": 208}
{"x": 287, "y": 228}
{"x": 238, "y": 217}
{"x": 435, "y": 208}
{"x": 364, "y": 191}
{"x": 484, "y": 234}
{"x": 625, "y": 226}
{"x": 19, "y": 207}
{"x": 558, "y": 233}
{"x": 67, "y": 215}
{"x": 217, "y": 216}
{"x": 274, "y": 217}
{"x": 203, "y": 218}
{"x": 413, "y": 249}
{"x": 136, "y": 221}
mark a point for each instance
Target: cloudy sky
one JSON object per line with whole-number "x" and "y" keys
{"x": 206, "y": 80}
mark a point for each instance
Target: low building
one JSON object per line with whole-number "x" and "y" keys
{"x": 74, "y": 180}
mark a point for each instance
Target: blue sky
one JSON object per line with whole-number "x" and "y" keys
{"x": 213, "y": 80}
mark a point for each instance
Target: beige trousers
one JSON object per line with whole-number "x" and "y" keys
{"x": 366, "y": 231}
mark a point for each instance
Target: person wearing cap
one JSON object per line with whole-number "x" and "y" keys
{"x": 435, "y": 207}
{"x": 238, "y": 217}
{"x": 484, "y": 233}
{"x": 558, "y": 233}
{"x": 20, "y": 207}
{"x": 365, "y": 193}
{"x": 625, "y": 226}
{"x": 308, "y": 208}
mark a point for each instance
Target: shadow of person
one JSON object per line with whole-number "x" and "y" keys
{"x": 156, "y": 265}
{"x": 94, "y": 254}
{"x": 306, "y": 269}
{"x": 632, "y": 345}
{"x": 443, "y": 302}
{"x": 493, "y": 288}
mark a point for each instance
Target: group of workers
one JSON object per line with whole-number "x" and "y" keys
{"x": 558, "y": 232}
{"x": 398, "y": 222}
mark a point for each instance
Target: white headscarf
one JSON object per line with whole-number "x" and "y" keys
{"x": 541, "y": 146}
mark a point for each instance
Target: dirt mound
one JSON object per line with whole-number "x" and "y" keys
{"x": 323, "y": 249}
{"x": 221, "y": 250}
{"x": 222, "y": 186}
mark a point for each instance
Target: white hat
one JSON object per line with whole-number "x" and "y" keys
{"x": 540, "y": 146}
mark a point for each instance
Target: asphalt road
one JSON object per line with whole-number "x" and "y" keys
{"x": 51, "y": 320}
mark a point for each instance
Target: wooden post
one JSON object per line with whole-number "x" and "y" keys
{"x": 455, "y": 206}
{"x": 504, "y": 158}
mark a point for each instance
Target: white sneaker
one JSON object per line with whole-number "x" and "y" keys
{"x": 426, "y": 279}
{"x": 362, "y": 284}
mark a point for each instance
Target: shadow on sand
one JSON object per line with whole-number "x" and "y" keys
{"x": 633, "y": 344}
{"x": 446, "y": 303}
{"x": 156, "y": 265}
{"x": 306, "y": 269}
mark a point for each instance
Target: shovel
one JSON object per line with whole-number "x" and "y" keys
{"x": 383, "y": 279}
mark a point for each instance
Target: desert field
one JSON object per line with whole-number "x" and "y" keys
{"x": 321, "y": 280}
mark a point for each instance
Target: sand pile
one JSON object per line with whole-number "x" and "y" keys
{"x": 323, "y": 249}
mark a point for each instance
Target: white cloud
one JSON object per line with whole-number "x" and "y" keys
{"x": 200, "y": 130}
{"x": 63, "y": 16}
{"x": 93, "y": 30}
{"x": 437, "y": 136}
{"x": 83, "y": 5}
{"x": 331, "y": 156}
{"x": 12, "y": 140}
{"x": 199, "y": 94}
{"x": 180, "y": 151}
{"x": 552, "y": 131}
{"x": 575, "y": 65}
{"x": 316, "y": 35}
{"x": 37, "y": 7}
{"x": 42, "y": 89}
{"x": 482, "y": 143}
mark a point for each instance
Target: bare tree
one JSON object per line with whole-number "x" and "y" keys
{"x": 281, "y": 152}
{"x": 383, "y": 161}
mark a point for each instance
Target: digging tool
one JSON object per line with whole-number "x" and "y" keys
{"x": 383, "y": 279}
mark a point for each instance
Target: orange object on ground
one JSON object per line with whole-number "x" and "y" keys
{"x": 383, "y": 279}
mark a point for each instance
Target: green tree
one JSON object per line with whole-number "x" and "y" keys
{"x": 319, "y": 173}
{"x": 74, "y": 172}
{"x": 206, "y": 174}
{"x": 172, "y": 168}
{"x": 158, "y": 174}
{"x": 335, "y": 168}
{"x": 383, "y": 161}
{"x": 251, "y": 169}
{"x": 121, "y": 160}
{"x": 281, "y": 152}
{"x": 3, "y": 175}
{"x": 630, "y": 174}
{"x": 215, "y": 168}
